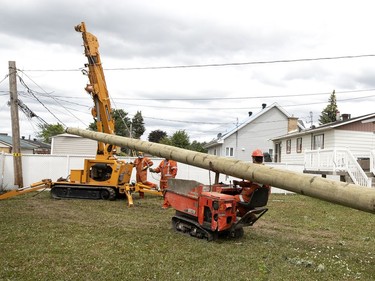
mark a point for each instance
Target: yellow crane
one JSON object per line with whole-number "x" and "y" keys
{"x": 104, "y": 177}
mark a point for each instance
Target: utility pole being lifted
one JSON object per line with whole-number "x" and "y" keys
{"x": 16, "y": 150}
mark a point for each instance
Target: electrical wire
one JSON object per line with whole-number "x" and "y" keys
{"x": 225, "y": 108}
{"x": 247, "y": 98}
{"x": 29, "y": 113}
{"x": 45, "y": 92}
{"x": 33, "y": 94}
{"x": 211, "y": 108}
{"x": 242, "y": 63}
{"x": 228, "y": 98}
{"x": 59, "y": 108}
{"x": 222, "y": 98}
{"x": 6, "y": 76}
{"x": 240, "y": 108}
{"x": 217, "y": 64}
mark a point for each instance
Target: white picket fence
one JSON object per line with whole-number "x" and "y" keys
{"x": 37, "y": 167}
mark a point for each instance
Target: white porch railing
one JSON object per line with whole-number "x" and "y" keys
{"x": 335, "y": 161}
{"x": 372, "y": 162}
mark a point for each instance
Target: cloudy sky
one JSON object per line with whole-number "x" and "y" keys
{"x": 198, "y": 66}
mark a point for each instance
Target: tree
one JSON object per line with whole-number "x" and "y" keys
{"x": 138, "y": 126}
{"x": 178, "y": 139}
{"x": 123, "y": 124}
{"x": 198, "y": 146}
{"x": 329, "y": 112}
{"x": 156, "y": 136}
{"x": 166, "y": 140}
{"x": 47, "y": 131}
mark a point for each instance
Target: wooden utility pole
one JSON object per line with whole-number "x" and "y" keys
{"x": 350, "y": 195}
{"x": 17, "y": 160}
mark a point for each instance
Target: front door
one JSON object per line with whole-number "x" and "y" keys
{"x": 277, "y": 157}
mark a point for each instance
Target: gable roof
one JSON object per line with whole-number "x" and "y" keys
{"x": 329, "y": 126}
{"x": 7, "y": 140}
{"x": 37, "y": 143}
{"x": 221, "y": 137}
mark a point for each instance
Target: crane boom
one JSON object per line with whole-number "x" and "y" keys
{"x": 97, "y": 88}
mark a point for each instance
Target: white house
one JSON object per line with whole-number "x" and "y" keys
{"x": 255, "y": 132}
{"x": 71, "y": 144}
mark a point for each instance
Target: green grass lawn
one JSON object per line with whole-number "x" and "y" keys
{"x": 299, "y": 238}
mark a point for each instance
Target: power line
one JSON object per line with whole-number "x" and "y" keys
{"x": 210, "y": 108}
{"x": 213, "y": 64}
{"x": 33, "y": 94}
{"x": 219, "y": 98}
{"x": 248, "y": 98}
{"x": 242, "y": 63}
{"x": 6, "y": 76}
{"x": 240, "y": 108}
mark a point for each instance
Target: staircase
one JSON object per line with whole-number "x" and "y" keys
{"x": 370, "y": 175}
{"x": 340, "y": 162}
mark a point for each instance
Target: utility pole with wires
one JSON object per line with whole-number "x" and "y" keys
{"x": 16, "y": 140}
{"x": 311, "y": 119}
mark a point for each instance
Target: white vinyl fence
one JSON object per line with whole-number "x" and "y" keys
{"x": 37, "y": 167}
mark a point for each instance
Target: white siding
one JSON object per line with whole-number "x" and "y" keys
{"x": 68, "y": 144}
{"x": 298, "y": 158}
{"x": 27, "y": 151}
{"x": 329, "y": 139}
{"x": 294, "y": 157}
{"x": 257, "y": 134}
{"x": 359, "y": 143}
{"x": 216, "y": 150}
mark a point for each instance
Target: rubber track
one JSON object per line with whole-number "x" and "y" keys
{"x": 192, "y": 224}
{"x": 60, "y": 191}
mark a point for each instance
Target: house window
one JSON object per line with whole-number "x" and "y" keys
{"x": 288, "y": 146}
{"x": 299, "y": 145}
{"x": 229, "y": 151}
{"x": 318, "y": 141}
